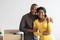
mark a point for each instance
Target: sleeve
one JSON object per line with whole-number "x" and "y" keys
{"x": 36, "y": 33}
{"x": 34, "y": 25}
{"x": 22, "y": 25}
{"x": 49, "y": 27}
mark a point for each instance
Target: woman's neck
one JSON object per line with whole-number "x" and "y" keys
{"x": 41, "y": 19}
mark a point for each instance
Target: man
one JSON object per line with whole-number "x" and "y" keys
{"x": 26, "y": 24}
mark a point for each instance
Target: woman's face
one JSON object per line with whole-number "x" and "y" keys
{"x": 41, "y": 13}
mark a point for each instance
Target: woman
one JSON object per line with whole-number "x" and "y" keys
{"x": 43, "y": 25}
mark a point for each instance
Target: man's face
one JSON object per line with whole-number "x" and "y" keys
{"x": 33, "y": 10}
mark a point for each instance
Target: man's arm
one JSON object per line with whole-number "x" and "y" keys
{"x": 51, "y": 20}
{"x": 23, "y": 25}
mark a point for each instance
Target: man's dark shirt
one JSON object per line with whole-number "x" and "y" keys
{"x": 27, "y": 23}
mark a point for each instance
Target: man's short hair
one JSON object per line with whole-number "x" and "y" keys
{"x": 33, "y": 5}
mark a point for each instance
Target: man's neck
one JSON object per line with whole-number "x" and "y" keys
{"x": 33, "y": 13}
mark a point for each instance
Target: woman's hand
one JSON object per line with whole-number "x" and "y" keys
{"x": 46, "y": 33}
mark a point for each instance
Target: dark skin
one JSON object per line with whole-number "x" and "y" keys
{"x": 41, "y": 19}
{"x": 33, "y": 11}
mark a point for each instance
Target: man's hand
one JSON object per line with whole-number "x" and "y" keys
{"x": 30, "y": 30}
{"x": 49, "y": 19}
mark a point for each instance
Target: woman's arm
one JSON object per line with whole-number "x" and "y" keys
{"x": 49, "y": 29}
{"x": 49, "y": 25}
{"x": 35, "y": 29}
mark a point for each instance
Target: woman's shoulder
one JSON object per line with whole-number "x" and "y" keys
{"x": 35, "y": 20}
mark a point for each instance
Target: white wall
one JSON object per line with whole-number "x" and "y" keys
{"x": 11, "y": 12}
